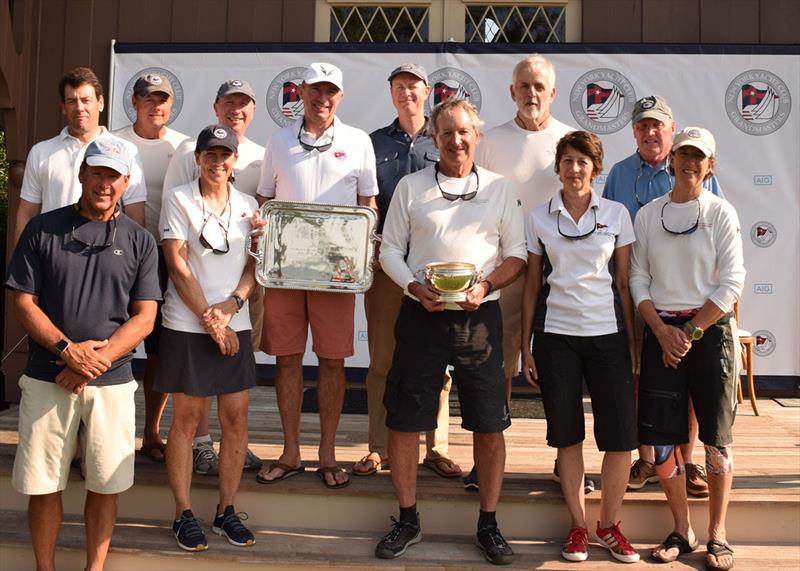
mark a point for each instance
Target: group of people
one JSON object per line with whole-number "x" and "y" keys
{"x": 631, "y": 292}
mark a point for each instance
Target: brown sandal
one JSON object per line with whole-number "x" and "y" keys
{"x": 383, "y": 464}
{"x": 322, "y": 470}
{"x": 435, "y": 465}
{"x": 288, "y": 472}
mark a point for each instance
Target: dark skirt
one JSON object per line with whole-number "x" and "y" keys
{"x": 191, "y": 363}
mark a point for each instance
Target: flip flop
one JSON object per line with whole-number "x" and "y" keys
{"x": 434, "y": 464}
{"x": 382, "y": 465}
{"x": 288, "y": 472}
{"x": 718, "y": 549}
{"x": 156, "y": 452}
{"x": 676, "y": 540}
{"x": 322, "y": 470}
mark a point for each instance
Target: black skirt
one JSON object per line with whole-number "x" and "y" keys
{"x": 191, "y": 363}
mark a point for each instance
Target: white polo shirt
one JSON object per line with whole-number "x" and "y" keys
{"x": 246, "y": 172}
{"x": 218, "y": 274}
{"x": 51, "y": 172}
{"x": 526, "y": 158}
{"x": 578, "y": 296}
{"x": 423, "y": 227}
{"x": 338, "y": 175}
{"x": 155, "y": 155}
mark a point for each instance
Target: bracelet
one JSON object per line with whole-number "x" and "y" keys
{"x": 239, "y": 302}
{"x": 491, "y": 287}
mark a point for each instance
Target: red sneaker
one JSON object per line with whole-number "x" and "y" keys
{"x": 612, "y": 539}
{"x": 576, "y": 547}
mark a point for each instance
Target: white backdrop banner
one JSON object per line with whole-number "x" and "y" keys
{"x": 748, "y": 100}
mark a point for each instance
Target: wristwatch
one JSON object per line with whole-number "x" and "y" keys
{"x": 61, "y": 345}
{"x": 693, "y": 331}
{"x": 239, "y": 302}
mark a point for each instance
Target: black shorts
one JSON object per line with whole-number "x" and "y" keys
{"x": 604, "y": 361}
{"x": 706, "y": 373}
{"x": 152, "y": 341}
{"x": 426, "y": 343}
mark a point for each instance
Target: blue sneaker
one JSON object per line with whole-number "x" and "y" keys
{"x": 188, "y": 533}
{"x": 229, "y": 524}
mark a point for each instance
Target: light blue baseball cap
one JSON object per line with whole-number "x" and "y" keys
{"x": 109, "y": 151}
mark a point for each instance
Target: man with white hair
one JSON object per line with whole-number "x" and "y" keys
{"x": 318, "y": 159}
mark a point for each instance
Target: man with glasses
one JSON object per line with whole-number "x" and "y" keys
{"x": 401, "y": 148}
{"x": 318, "y": 159}
{"x": 453, "y": 211}
{"x": 85, "y": 287}
{"x": 635, "y": 181}
{"x": 234, "y": 106}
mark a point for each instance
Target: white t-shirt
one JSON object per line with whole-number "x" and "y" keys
{"x": 218, "y": 274}
{"x": 183, "y": 166}
{"x": 423, "y": 227}
{"x": 51, "y": 172}
{"x": 155, "y": 155}
{"x": 338, "y": 175}
{"x": 526, "y": 158}
{"x": 578, "y": 296}
{"x": 682, "y": 272}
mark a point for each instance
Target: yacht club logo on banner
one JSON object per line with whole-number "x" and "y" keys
{"x": 765, "y": 343}
{"x": 177, "y": 90}
{"x": 283, "y": 96}
{"x": 602, "y": 100}
{"x": 763, "y": 234}
{"x": 758, "y": 102}
{"x": 450, "y": 82}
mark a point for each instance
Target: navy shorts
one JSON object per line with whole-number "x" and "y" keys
{"x": 152, "y": 341}
{"x": 426, "y": 343}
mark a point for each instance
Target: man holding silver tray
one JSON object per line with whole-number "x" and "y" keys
{"x": 442, "y": 220}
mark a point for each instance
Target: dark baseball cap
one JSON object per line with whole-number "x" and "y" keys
{"x": 651, "y": 107}
{"x": 217, "y": 136}
{"x": 413, "y": 69}
{"x": 152, "y": 83}
{"x": 236, "y": 86}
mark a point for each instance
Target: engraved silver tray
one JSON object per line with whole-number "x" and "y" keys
{"x": 318, "y": 247}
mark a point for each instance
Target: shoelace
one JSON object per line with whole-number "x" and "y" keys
{"x": 234, "y": 520}
{"x": 397, "y": 528}
{"x": 495, "y": 537}
{"x": 620, "y": 541}
{"x": 578, "y": 536}
{"x": 205, "y": 453}
{"x": 192, "y": 525}
{"x": 640, "y": 466}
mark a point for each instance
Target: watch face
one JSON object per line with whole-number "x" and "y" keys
{"x": 61, "y": 345}
{"x": 697, "y": 334}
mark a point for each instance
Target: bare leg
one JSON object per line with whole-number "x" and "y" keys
{"x": 44, "y": 521}
{"x": 202, "y": 426}
{"x": 647, "y": 453}
{"x": 614, "y": 475}
{"x": 100, "y": 513}
{"x": 688, "y": 449}
{"x": 154, "y": 403}
{"x": 570, "y": 469}
{"x": 719, "y": 487}
{"x": 289, "y": 390}
{"x": 330, "y": 398}
{"x": 233, "y": 419}
{"x": 187, "y": 413}
{"x": 404, "y": 452}
{"x": 675, "y": 490}
{"x": 490, "y": 460}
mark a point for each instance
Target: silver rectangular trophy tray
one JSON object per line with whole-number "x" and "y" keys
{"x": 318, "y": 247}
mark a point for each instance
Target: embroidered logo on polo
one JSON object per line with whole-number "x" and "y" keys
{"x": 283, "y": 96}
{"x": 601, "y": 101}
{"x": 177, "y": 91}
{"x": 758, "y": 102}
{"x": 450, "y": 82}
{"x": 341, "y": 155}
{"x": 765, "y": 343}
{"x": 763, "y": 234}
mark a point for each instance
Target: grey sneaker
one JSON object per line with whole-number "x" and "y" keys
{"x": 495, "y": 548}
{"x": 251, "y": 461}
{"x": 205, "y": 460}
{"x": 400, "y": 537}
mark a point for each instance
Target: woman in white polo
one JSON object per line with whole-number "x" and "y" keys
{"x": 577, "y": 306}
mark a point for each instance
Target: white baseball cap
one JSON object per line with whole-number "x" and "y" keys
{"x": 696, "y": 137}
{"x": 320, "y": 71}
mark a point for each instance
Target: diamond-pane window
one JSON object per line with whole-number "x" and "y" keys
{"x": 362, "y": 23}
{"x": 514, "y": 23}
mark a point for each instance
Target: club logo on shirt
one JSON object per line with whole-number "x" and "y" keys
{"x": 758, "y": 102}
{"x": 765, "y": 343}
{"x": 602, "y": 100}
{"x": 283, "y": 96}
{"x": 450, "y": 82}
{"x": 177, "y": 90}
{"x": 117, "y": 252}
{"x": 341, "y": 155}
{"x": 763, "y": 234}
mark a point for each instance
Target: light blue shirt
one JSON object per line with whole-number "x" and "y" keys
{"x": 634, "y": 183}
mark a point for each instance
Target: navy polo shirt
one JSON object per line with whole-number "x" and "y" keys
{"x": 396, "y": 155}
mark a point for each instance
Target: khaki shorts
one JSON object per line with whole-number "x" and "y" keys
{"x": 49, "y": 422}
{"x": 511, "y": 308}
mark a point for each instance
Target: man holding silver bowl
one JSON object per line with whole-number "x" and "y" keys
{"x": 453, "y": 237}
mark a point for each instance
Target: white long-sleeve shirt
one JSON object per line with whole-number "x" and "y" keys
{"x": 682, "y": 272}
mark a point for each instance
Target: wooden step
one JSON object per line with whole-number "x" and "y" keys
{"x": 150, "y": 545}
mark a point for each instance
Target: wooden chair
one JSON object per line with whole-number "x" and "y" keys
{"x": 746, "y": 341}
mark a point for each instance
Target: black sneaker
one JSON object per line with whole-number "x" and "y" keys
{"x": 471, "y": 480}
{"x": 188, "y": 533}
{"x": 588, "y": 483}
{"x": 494, "y": 546}
{"x": 395, "y": 543}
{"x": 229, "y": 524}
